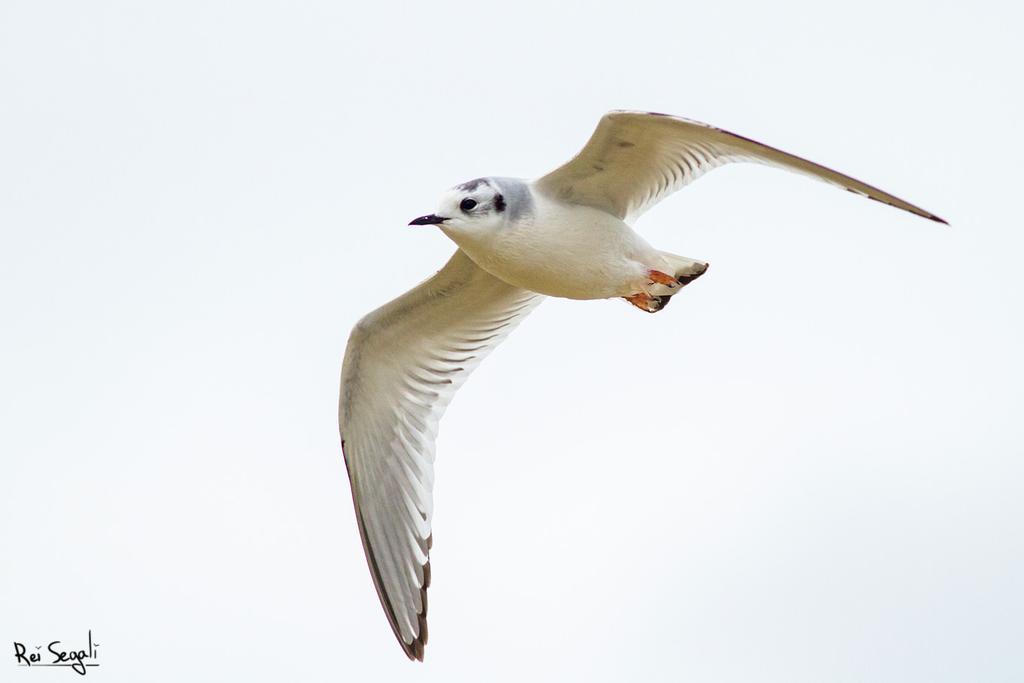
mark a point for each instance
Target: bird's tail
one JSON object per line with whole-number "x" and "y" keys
{"x": 684, "y": 270}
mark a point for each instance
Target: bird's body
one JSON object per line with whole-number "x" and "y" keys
{"x": 567, "y": 234}
{"x": 562, "y": 250}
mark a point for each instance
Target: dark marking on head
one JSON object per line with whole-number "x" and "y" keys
{"x": 625, "y": 143}
{"x": 515, "y": 197}
{"x": 598, "y": 168}
{"x": 499, "y": 203}
{"x": 471, "y": 185}
{"x": 657, "y": 113}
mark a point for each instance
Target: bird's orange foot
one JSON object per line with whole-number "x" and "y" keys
{"x": 645, "y": 302}
{"x": 658, "y": 277}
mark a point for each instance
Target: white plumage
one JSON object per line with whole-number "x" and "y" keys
{"x": 565, "y": 234}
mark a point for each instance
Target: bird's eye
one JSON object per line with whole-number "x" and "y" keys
{"x": 467, "y": 204}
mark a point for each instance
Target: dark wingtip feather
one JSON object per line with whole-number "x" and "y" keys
{"x": 930, "y": 216}
{"x": 413, "y": 650}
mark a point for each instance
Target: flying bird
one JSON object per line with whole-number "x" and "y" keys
{"x": 567, "y": 234}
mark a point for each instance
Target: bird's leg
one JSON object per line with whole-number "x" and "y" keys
{"x": 645, "y": 302}
{"x": 658, "y": 277}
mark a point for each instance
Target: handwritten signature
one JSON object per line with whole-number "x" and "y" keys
{"x": 76, "y": 660}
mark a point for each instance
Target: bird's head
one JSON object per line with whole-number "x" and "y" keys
{"x": 478, "y": 208}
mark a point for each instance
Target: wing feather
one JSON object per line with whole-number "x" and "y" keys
{"x": 402, "y": 366}
{"x": 633, "y": 160}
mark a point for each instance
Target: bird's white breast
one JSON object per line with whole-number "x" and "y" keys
{"x": 564, "y": 250}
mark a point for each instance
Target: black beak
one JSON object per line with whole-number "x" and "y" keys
{"x": 428, "y": 220}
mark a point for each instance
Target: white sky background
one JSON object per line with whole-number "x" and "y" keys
{"x": 808, "y": 468}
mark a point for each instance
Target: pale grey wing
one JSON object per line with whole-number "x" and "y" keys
{"x": 403, "y": 363}
{"x": 635, "y": 159}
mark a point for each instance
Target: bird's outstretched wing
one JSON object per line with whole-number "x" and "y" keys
{"x": 635, "y": 159}
{"x": 403, "y": 363}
